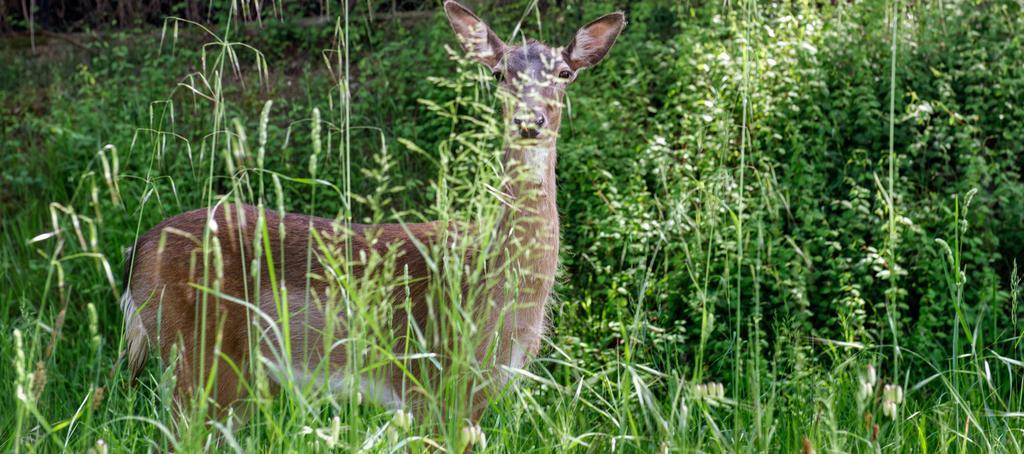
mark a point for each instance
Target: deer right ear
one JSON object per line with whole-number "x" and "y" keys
{"x": 594, "y": 40}
{"x": 475, "y": 36}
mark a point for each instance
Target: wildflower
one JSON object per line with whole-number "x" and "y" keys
{"x": 713, "y": 392}
{"x": 864, "y": 391}
{"x": 99, "y": 448}
{"x": 892, "y": 398}
{"x": 94, "y": 327}
{"x": 402, "y": 419}
{"x": 23, "y": 379}
{"x": 330, "y": 435}
{"x": 867, "y": 383}
{"x": 889, "y": 409}
{"x": 472, "y": 435}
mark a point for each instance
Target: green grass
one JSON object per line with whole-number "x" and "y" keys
{"x": 773, "y": 198}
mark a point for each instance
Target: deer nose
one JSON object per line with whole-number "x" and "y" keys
{"x": 529, "y": 128}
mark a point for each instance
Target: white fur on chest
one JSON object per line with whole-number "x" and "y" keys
{"x": 538, "y": 160}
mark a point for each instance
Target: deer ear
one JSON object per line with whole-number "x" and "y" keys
{"x": 476, "y": 37}
{"x": 593, "y": 41}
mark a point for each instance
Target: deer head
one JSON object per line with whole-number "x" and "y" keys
{"x": 532, "y": 77}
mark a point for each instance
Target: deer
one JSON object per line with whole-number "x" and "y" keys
{"x": 167, "y": 304}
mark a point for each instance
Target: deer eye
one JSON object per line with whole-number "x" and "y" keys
{"x": 565, "y": 74}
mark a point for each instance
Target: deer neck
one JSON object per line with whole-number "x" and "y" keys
{"x": 530, "y": 228}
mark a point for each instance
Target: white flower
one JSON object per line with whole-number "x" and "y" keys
{"x": 867, "y": 383}
{"x": 402, "y": 419}
{"x": 893, "y": 396}
{"x": 864, "y": 392}
{"x": 99, "y": 448}
{"x": 713, "y": 393}
{"x": 472, "y": 435}
{"x": 889, "y": 409}
{"x": 330, "y": 435}
{"x": 894, "y": 393}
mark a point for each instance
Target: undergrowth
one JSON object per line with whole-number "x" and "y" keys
{"x": 785, "y": 226}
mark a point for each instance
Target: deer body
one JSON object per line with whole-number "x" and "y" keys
{"x": 164, "y": 306}
{"x": 205, "y": 305}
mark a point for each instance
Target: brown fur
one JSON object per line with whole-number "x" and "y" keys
{"x": 168, "y": 265}
{"x": 166, "y": 304}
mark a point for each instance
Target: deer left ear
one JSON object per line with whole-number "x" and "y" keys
{"x": 594, "y": 40}
{"x": 476, "y": 37}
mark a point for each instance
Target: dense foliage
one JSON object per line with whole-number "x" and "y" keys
{"x": 743, "y": 201}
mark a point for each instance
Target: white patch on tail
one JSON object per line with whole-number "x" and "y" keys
{"x": 135, "y": 334}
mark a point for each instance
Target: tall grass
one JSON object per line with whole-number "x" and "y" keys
{"x": 741, "y": 272}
